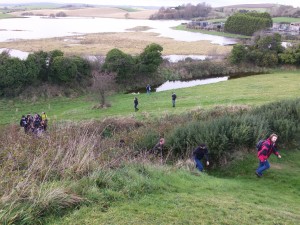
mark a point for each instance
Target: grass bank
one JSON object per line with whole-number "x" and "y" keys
{"x": 217, "y": 33}
{"x": 253, "y": 90}
{"x": 178, "y": 196}
{"x": 285, "y": 19}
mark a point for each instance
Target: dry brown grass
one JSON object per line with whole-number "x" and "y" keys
{"x": 104, "y": 12}
{"x": 129, "y": 42}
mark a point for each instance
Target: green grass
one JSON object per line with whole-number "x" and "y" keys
{"x": 217, "y": 20}
{"x": 285, "y": 19}
{"x": 38, "y": 6}
{"x": 217, "y": 33}
{"x": 252, "y": 90}
{"x": 129, "y": 9}
{"x": 181, "y": 197}
{"x": 5, "y": 16}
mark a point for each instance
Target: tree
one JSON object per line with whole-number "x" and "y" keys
{"x": 120, "y": 63}
{"x": 248, "y": 23}
{"x": 83, "y": 68}
{"x": 103, "y": 85}
{"x": 63, "y": 70}
{"x": 12, "y": 75}
{"x": 150, "y": 59}
{"x": 238, "y": 54}
{"x": 291, "y": 55}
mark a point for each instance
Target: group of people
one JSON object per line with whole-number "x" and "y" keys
{"x": 201, "y": 152}
{"x": 34, "y": 124}
{"x": 148, "y": 90}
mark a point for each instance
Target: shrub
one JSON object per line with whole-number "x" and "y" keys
{"x": 228, "y": 134}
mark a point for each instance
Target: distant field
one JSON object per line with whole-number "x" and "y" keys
{"x": 38, "y": 6}
{"x": 217, "y": 20}
{"x": 104, "y": 12}
{"x": 253, "y": 90}
{"x": 183, "y": 27}
{"x": 5, "y": 16}
{"x": 285, "y": 19}
{"x": 129, "y": 42}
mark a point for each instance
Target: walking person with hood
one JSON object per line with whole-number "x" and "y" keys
{"x": 268, "y": 147}
{"x": 198, "y": 154}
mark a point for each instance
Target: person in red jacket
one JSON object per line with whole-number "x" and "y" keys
{"x": 268, "y": 147}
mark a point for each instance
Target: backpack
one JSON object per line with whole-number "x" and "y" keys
{"x": 259, "y": 144}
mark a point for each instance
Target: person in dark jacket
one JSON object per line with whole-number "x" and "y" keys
{"x": 198, "y": 154}
{"x": 23, "y": 123}
{"x": 174, "y": 99}
{"x": 268, "y": 147}
{"x": 136, "y": 102}
{"x": 148, "y": 89}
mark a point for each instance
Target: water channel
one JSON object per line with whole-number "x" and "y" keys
{"x": 40, "y": 27}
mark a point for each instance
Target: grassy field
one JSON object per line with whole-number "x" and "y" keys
{"x": 285, "y": 19}
{"x": 253, "y": 90}
{"x": 183, "y": 27}
{"x": 180, "y": 197}
{"x": 104, "y": 12}
{"x": 5, "y": 16}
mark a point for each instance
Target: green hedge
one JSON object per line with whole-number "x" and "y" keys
{"x": 248, "y": 23}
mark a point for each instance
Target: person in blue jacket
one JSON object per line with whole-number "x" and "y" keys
{"x": 199, "y": 153}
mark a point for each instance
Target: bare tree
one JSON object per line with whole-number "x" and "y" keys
{"x": 103, "y": 85}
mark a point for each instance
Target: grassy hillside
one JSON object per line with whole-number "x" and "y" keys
{"x": 77, "y": 173}
{"x": 181, "y": 197}
{"x": 253, "y": 90}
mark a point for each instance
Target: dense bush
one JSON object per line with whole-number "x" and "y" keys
{"x": 129, "y": 68}
{"x": 248, "y": 23}
{"x": 263, "y": 52}
{"x": 39, "y": 68}
{"x": 291, "y": 55}
{"x": 194, "y": 69}
{"x": 228, "y": 134}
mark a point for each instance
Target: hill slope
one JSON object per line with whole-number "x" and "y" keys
{"x": 186, "y": 198}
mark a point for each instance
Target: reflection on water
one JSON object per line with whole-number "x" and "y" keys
{"x": 176, "y": 58}
{"x": 38, "y": 27}
{"x": 15, "y": 53}
{"x": 171, "y": 85}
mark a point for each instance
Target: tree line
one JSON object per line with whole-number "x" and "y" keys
{"x": 40, "y": 67}
{"x": 186, "y": 12}
{"x": 248, "y": 23}
{"x": 73, "y": 71}
{"x": 266, "y": 51}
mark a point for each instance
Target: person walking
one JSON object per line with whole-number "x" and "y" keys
{"x": 158, "y": 149}
{"x": 198, "y": 154}
{"x": 268, "y": 147}
{"x": 44, "y": 121}
{"x": 173, "y": 98}
{"x": 136, "y": 102}
{"x": 148, "y": 89}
